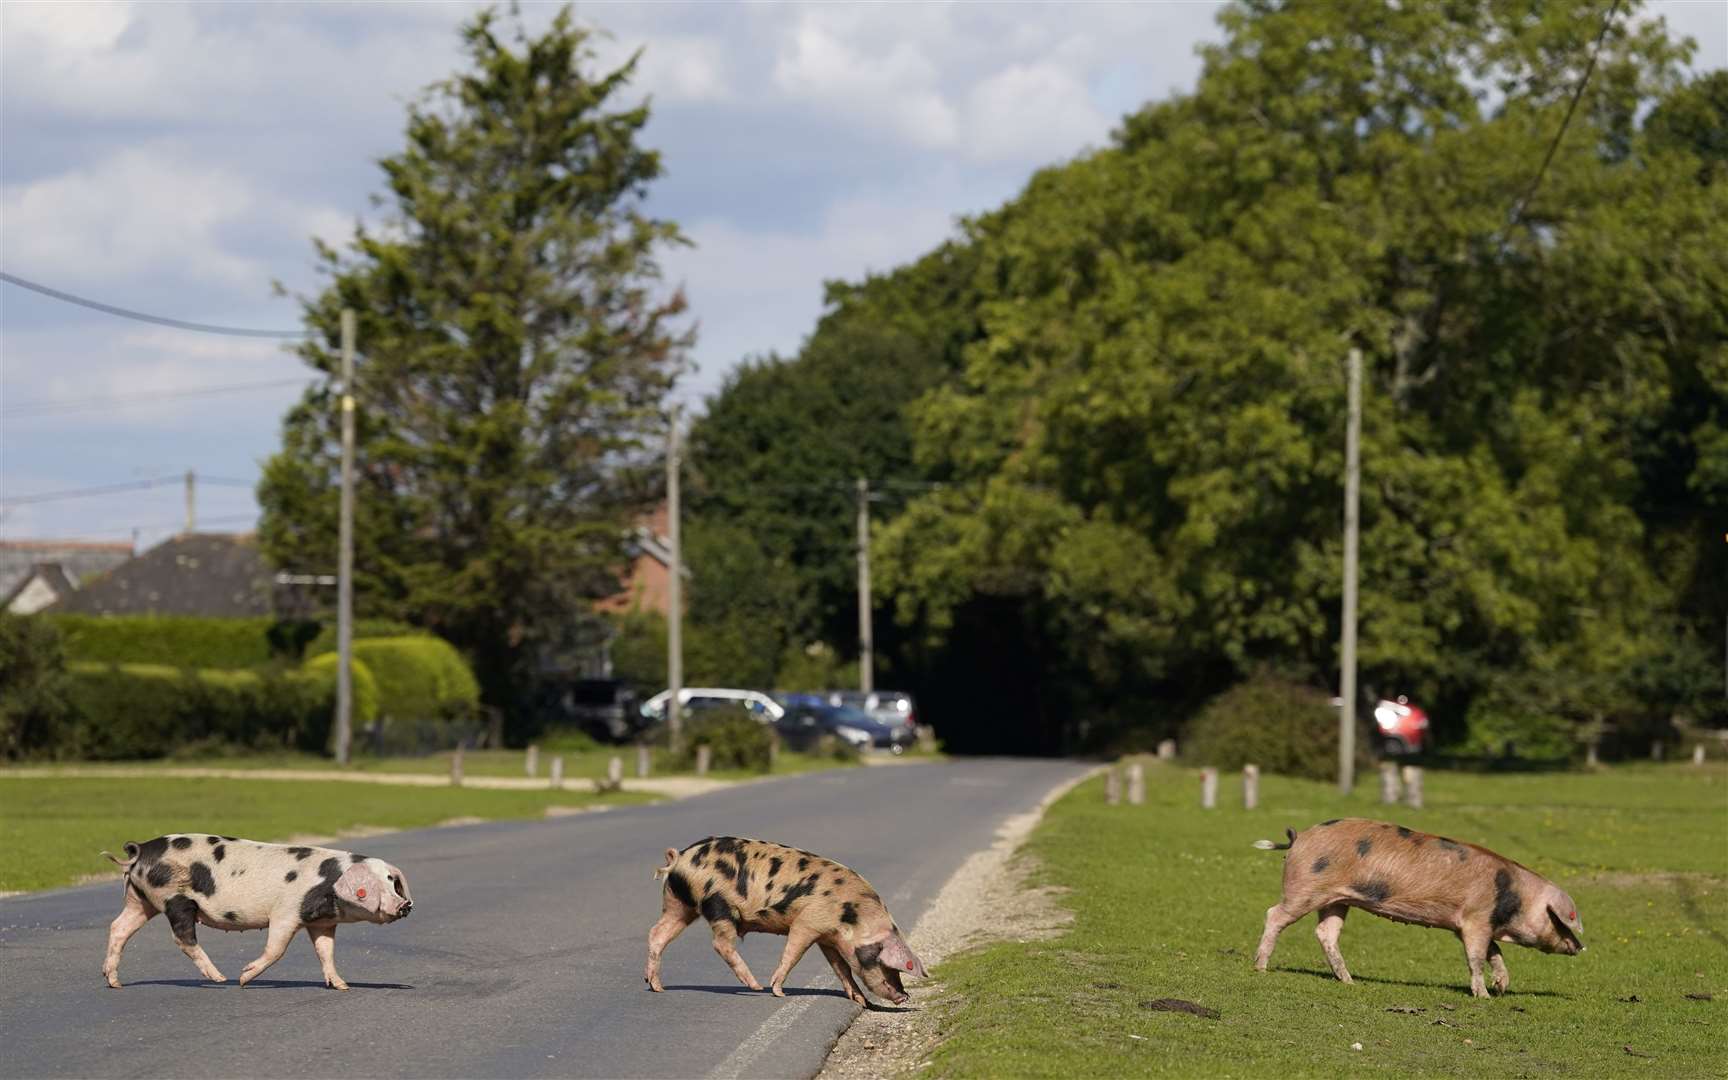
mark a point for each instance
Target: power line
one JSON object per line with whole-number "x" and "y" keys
{"x": 114, "y": 489}
{"x": 1577, "y": 94}
{"x": 141, "y": 316}
{"x": 57, "y": 407}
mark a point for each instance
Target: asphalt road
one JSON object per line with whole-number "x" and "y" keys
{"x": 523, "y": 957}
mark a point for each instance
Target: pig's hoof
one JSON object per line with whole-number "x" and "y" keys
{"x": 337, "y": 985}
{"x": 113, "y": 982}
{"x": 776, "y": 991}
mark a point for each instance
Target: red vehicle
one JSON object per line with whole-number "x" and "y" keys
{"x": 1403, "y": 726}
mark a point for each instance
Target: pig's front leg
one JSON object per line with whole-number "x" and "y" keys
{"x": 1498, "y": 963}
{"x": 324, "y": 944}
{"x": 838, "y": 963}
{"x": 282, "y": 931}
{"x": 798, "y": 940}
{"x": 131, "y": 919}
{"x": 1477, "y": 939}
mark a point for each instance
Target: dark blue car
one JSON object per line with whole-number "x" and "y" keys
{"x": 808, "y": 718}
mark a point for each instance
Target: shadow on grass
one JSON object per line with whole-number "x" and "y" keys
{"x": 264, "y": 984}
{"x": 1460, "y": 989}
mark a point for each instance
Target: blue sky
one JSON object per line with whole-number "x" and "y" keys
{"x": 177, "y": 158}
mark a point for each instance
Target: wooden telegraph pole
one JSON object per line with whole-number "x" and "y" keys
{"x": 674, "y": 590}
{"x": 1352, "y": 523}
{"x": 345, "y": 556}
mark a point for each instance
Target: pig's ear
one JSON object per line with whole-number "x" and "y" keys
{"x": 361, "y": 887}
{"x": 899, "y": 956}
{"x": 1565, "y": 911}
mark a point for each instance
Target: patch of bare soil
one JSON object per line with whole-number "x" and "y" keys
{"x": 986, "y": 901}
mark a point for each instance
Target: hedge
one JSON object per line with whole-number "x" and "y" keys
{"x": 419, "y": 678}
{"x": 128, "y": 711}
{"x": 1281, "y": 726}
{"x": 201, "y": 641}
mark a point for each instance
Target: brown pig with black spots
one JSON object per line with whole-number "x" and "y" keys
{"x": 1413, "y": 877}
{"x": 753, "y": 886}
{"x": 230, "y": 884}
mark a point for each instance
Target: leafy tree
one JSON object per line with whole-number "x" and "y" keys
{"x": 36, "y": 710}
{"x": 515, "y": 346}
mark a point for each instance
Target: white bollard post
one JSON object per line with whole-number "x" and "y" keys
{"x": 456, "y": 768}
{"x": 1112, "y": 787}
{"x": 704, "y": 754}
{"x": 1167, "y": 750}
{"x": 615, "y": 772}
{"x": 1250, "y": 787}
{"x": 1208, "y": 788}
{"x": 642, "y": 760}
{"x": 1656, "y": 750}
{"x": 1697, "y": 753}
{"x": 533, "y": 762}
{"x": 1413, "y": 786}
{"x": 557, "y": 772}
{"x": 1389, "y": 783}
{"x": 1136, "y": 784}
{"x": 1590, "y": 757}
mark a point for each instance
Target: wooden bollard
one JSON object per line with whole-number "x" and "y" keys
{"x": 615, "y": 771}
{"x": 1389, "y": 783}
{"x": 1413, "y": 786}
{"x": 704, "y": 754}
{"x": 1208, "y": 788}
{"x": 456, "y": 768}
{"x": 1590, "y": 757}
{"x": 1656, "y": 750}
{"x": 1112, "y": 787}
{"x": 1697, "y": 753}
{"x": 1250, "y": 786}
{"x": 1136, "y": 784}
{"x": 533, "y": 762}
{"x": 557, "y": 772}
{"x": 1167, "y": 750}
{"x": 643, "y": 758}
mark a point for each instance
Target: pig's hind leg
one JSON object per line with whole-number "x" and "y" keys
{"x": 183, "y": 920}
{"x": 131, "y": 919}
{"x": 798, "y": 940}
{"x": 1278, "y": 916}
{"x": 1330, "y": 926}
{"x": 725, "y": 943}
{"x": 675, "y": 916}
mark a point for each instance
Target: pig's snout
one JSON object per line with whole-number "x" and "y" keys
{"x": 407, "y": 906}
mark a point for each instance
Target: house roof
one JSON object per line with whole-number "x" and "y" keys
{"x": 78, "y": 558}
{"x": 192, "y": 574}
{"x": 50, "y": 574}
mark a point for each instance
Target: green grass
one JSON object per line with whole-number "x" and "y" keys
{"x": 53, "y": 827}
{"x": 578, "y": 764}
{"x": 1169, "y": 902}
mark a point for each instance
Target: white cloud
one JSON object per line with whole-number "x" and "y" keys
{"x": 138, "y": 211}
{"x": 893, "y": 86}
{"x": 1038, "y": 111}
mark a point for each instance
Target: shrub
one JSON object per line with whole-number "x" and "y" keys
{"x": 175, "y": 640}
{"x": 419, "y": 678}
{"x": 325, "y": 641}
{"x": 1498, "y": 725}
{"x": 128, "y": 711}
{"x": 320, "y": 671}
{"x": 35, "y": 710}
{"x": 1281, "y": 726}
{"x": 735, "y": 738}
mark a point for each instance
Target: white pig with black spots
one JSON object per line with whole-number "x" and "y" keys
{"x": 230, "y": 884}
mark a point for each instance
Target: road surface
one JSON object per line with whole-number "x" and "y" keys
{"x": 523, "y": 957}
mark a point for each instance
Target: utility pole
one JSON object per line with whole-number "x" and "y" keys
{"x": 866, "y": 642}
{"x": 345, "y": 556}
{"x": 674, "y": 590}
{"x": 191, "y": 502}
{"x": 1352, "y": 527}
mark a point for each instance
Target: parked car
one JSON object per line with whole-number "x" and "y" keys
{"x": 700, "y": 698}
{"x": 855, "y": 725}
{"x": 808, "y": 717}
{"x": 1402, "y": 727}
{"x": 891, "y": 707}
{"x": 604, "y": 708}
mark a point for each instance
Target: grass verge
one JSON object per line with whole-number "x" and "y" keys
{"x": 1169, "y": 901}
{"x": 53, "y": 827}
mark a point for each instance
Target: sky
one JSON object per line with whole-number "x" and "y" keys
{"x": 179, "y": 158}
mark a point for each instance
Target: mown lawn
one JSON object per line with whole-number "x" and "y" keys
{"x": 578, "y": 764}
{"x": 1169, "y": 902}
{"x": 51, "y": 828}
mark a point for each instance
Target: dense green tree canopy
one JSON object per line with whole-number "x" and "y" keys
{"x": 515, "y": 346}
{"x": 1139, "y": 424}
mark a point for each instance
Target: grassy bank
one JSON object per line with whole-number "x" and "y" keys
{"x": 53, "y": 827}
{"x": 1169, "y": 901}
